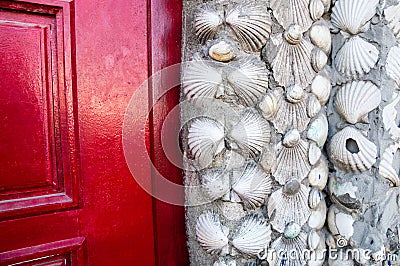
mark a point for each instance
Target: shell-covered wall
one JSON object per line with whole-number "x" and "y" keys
{"x": 264, "y": 85}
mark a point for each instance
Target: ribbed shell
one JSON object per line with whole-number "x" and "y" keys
{"x": 253, "y": 186}
{"x": 356, "y": 57}
{"x": 316, "y": 9}
{"x": 393, "y": 64}
{"x": 350, "y": 151}
{"x": 207, "y": 22}
{"x": 253, "y": 236}
{"x": 289, "y": 247}
{"x": 205, "y": 140}
{"x": 389, "y": 115}
{"x": 386, "y": 168}
{"x": 215, "y": 184}
{"x": 351, "y": 15}
{"x": 289, "y": 12}
{"x": 392, "y": 15}
{"x": 211, "y": 235}
{"x": 283, "y": 208}
{"x": 356, "y": 99}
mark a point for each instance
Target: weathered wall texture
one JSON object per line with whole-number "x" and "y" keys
{"x": 267, "y": 83}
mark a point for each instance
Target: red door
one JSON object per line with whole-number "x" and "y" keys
{"x": 67, "y": 72}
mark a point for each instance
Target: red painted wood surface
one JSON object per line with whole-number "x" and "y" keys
{"x": 68, "y": 70}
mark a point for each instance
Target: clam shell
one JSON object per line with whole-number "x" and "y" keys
{"x": 320, "y": 36}
{"x": 211, "y": 235}
{"x": 392, "y": 15}
{"x": 393, "y": 64}
{"x": 205, "y": 140}
{"x": 317, "y": 9}
{"x": 253, "y": 186}
{"x": 315, "y": 198}
{"x": 318, "y": 176}
{"x": 292, "y": 12}
{"x": 318, "y": 59}
{"x": 356, "y": 99}
{"x": 317, "y": 217}
{"x": 352, "y": 15}
{"x": 340, "y": 223}
{"x": 221, "y": 51}
{"x": 207, "y": 22}
{"x": 313, "y": 107}
{"x": 356, "y": 57}
{"x": 321, "y": 88}
{"x": 318, "y": 130}
{"x": 253, "y": 236}
{"x": 294, "y": 34}
{"x": 215, "y": 184}
{"x": 284, "y": 208}
{"x": 292, "y": 64}
{"x": 313, "y": 240}
{"x": 389, "y": 115}
{"x": 386, "y": 168}
{"x": 350, "y": 151}
{"x": 314, "y": 154}
{"x": 251, "y": 134}
{"x": 291, "y": 161}
{"x": 286, "y": 247}
{"x": 268, "y": 106}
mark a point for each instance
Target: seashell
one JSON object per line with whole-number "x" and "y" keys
{"x": 327, "y": 4}
{"x": 215, "y": 184}
{"x": 287, "y": 247}
{"x": 251, "y": 24}
{"x": 318, "y": 59}
{"x": 338, "y": 189}
{"x": 314, "y": 154}
{"x": 284, "y": 208}
{"x": 292, "y": 159}
{"x": 340, "y": 223}
{"x": 253, "y": 186}
{"x": 317, "y": 9}
{"x": 321, "y": 88}
{"x": 313, "y": 240}
{"x": 315, "y": 198}
{"x": 318, "y": 130}
{"x": 356, "y": 99}
{"x": 318, "y": 176}
{"x": 251, "y": 134}
{"x": 386, "y": 168}
{"x": 291, "y": 139}
{"x": 207, "y": 22}
{"x": 350, "y": 151}
{"x": 313, "y": 107}
{"x": 389, "y": 115}
{"x": 294, "y": 34}
{"x": 320, "y": 36}
{"x": 211, "y": 235}
{"x": 392, "y": 15}
{"x": 221, "y": 51}
{"x": 205, "y": 140}
{"x": 295, "y": 94}
{"x": 290, "y": 115}
{"x": 352, "y": 15}
{"x": 268, "y": 106}
{"x": 292, "y": 64}
{"x": 292, "y": 230}
{"x": 356, "y": 57}
{"x": 292, "y": 12}
{"x": 253, "y": 235}
{"x": 317, "y": 217}
{"x": 393, "y": 64}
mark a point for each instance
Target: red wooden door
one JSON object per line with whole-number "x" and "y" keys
{"x": 67, "y": 72}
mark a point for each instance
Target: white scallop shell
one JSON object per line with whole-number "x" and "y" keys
{"x": 350, "y": 151}
{"x": 290, "y": 115}
{"x": 352, "y": 15}
{"x": 393, "y": 64}
{"x": 389, "y": 115}
{"x": 321, "y": 88}
{"x": 318, "y": 176}
{"x": 286, "y": 247}
{"x": 320, "y": 36}
{"x": 253, "y": 236}
{"x": 356, "y": 57}
{"x": 392, "y": 15}
{"x": 318, "y": 130}
{"x": 205, "y": 140}
{"x": 318, "y": 59}
{"x": 356, "y": 99}
{"x": 251, "y": 134}
{"x": 292, "y": 64}
{"x": 215, "y": 184}
{"x": 211, "y": 235}
{"x": 386, "y": 168}
{"x": 268, "y": 106}
{"x": 340, "y": 223}
{"x": 317, "y": 217}
{"x": 253, "y": 186}
{"x": 291, "y": 161}
{"x": 284, "y": 208}
{"x": 314, "y": 106}
{"x": 207, "y": 22}
{"x": 315, "y": 198}
{"x": 221, "y": 51}
{"x": 251, "y": 24}
{"x": 317, "y": 9}
{"x": 288, "y": 12}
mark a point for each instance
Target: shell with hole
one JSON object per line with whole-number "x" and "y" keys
{"x": 292, "y": 12}
{"x": 211, "y": 235}
{"x": 386, "y": 166}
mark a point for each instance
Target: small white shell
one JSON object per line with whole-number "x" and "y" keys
{"x": 316, "y": 9}
{"x": 340, "y": 223}
{"x": 292, "y": 160}
{"x": 251, "y": 134}
{"x": 221, "y": 51}
{"x": 292, "y": 12}
{"x": 352, "y": 15}
{"x": 313, "y": 107}
{"x": 356, "y": 99}
{"x": 386, "y": 168}
{"x": 207, "y": 22}
{"x": 315, "y": 198}
{"x": 211, "y": 235}
{"x": 205, "y": 140}
{"x": 317, "y": 217}
{"x": 291, "y": 139}
{"x": 313, "y": 240}
{"x": 284, "y": 208}
{"x": 393, "y": 64}
{"x": 318, "y": 176}
{"x": 253, "y": 186}
{"x": 318, "y": 59}
{"x": 215, "y": 184}
{"x": 286, "y": 248}
{"x": 314, "y": 154}
{"x": 294, "y": 34}
{"x": 321, "y": 88}
{"x": 268, "y": 106}
{"x": 253, "y": 235}
{"x": 392, "y": 15}
{"x": 320, "y": 36}
{"x": 389, "y": 115}
{"x": 318, "y": 130}
{"x": 356, "y": 57}
{"x": 295, "y": 94}
{"x": 350, "y": 151}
